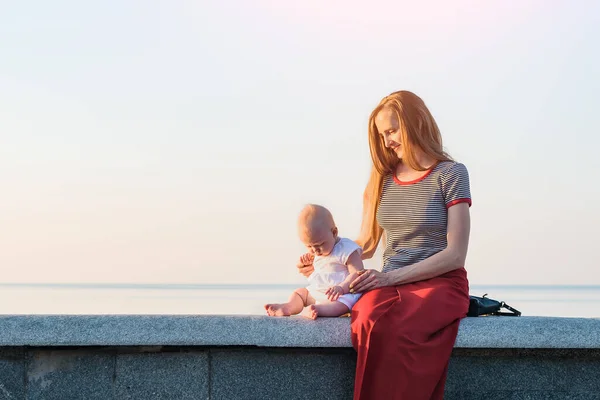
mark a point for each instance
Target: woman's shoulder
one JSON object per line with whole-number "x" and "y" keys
{"x": 453, "y": 179}
{"x": 446, "y": 168}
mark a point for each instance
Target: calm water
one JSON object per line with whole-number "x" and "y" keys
{"x": 564, "y": 301}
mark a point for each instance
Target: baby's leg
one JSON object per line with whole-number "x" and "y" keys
{"x": 297, "y": 301}
{"x": 332, "y": 309}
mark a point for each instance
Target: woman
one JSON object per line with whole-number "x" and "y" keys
{"x": 405, "y": 325}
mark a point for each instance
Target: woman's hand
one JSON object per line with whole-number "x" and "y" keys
{"x": 304, "y": 265}
{"x": 369, "y": 279}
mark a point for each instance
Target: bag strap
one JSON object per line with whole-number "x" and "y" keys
{"x": 514, "y": 312}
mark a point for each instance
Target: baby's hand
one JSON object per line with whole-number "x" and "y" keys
{"x": 307, "y": 258}
{"x": 334, "y": 293}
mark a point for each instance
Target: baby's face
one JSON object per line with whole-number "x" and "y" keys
{"x": 319, "y": 242}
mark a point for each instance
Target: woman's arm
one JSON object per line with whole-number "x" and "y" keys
{"x": 451, "y": 258}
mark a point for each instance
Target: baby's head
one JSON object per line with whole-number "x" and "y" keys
{"x": 317, "y": 230}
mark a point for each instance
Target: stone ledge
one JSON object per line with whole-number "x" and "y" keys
{"x": 262, "y": 331}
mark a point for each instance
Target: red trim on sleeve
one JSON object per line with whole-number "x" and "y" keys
{"x": 455, "y": 202}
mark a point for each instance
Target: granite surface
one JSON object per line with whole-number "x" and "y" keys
{"x": 12, "y": 370}
{"x": 291, "y": 374}
{"x": 262, "y": 331}
{"x": 69, "y": 374}
{"x": 251, "y": 372}
{"x": 535, "y": 372}
{"x": 162, "y": 375}
{"x": 521, "y": 395}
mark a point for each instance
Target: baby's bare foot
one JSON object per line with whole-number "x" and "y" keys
{"x": 277, "y": 310}
{"x": 310, "y": 312}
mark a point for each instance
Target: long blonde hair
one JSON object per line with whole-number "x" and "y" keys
{"x": 419, "y": 132}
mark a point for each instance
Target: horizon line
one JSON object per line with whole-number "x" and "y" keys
{"x": 130, "y": 285}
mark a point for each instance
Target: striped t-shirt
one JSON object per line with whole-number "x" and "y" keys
{"x": 414, "y": 215}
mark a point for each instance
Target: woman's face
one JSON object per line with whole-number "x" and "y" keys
{"x": 388, "y": 127}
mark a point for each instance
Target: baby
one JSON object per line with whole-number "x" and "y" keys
{"x": 337, "y": 262}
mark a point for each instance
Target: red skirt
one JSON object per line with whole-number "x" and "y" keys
{"x": 404, "y": 336}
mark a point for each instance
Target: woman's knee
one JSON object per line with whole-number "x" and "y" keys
{"x": 359, "y": 319}
{"x": 370, "y": 308}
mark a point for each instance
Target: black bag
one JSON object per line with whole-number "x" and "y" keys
{"x": 479, "y": 306}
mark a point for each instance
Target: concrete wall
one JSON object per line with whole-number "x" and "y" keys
{"x": 220, "y": 357}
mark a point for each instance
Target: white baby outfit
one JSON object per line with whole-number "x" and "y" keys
{"x": 331, "y": 270}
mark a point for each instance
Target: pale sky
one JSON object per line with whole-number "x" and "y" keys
{"x": 176, "y": 141}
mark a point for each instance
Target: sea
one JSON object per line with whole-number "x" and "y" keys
{"x": 241, "y": 299}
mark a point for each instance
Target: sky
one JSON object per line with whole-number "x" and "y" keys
{"x": 176, "y": 141}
